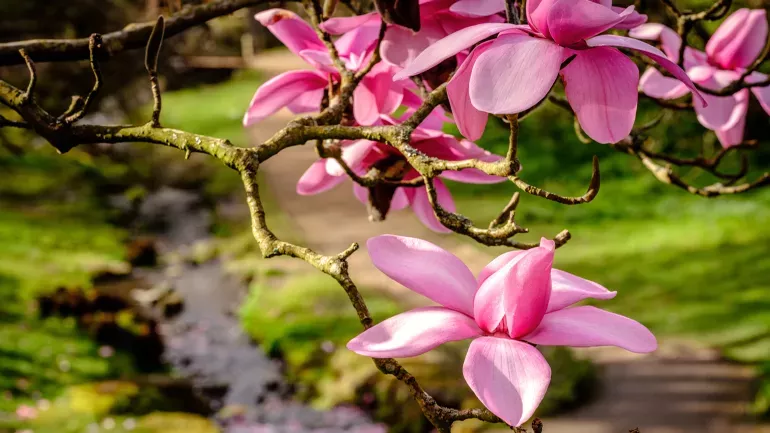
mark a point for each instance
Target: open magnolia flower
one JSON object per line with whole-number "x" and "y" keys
{"x": 363, "y": 156}
{"x": 735, "y": 46}
{"x": 401, "y": 45}
{"x": 517, "y": 69}
{"x": 516, "y": 302}
{"x": 302, "y": 91}
{"x": 480, "y": 8}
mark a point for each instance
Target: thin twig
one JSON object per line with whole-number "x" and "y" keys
{"x": 95, "y": 43}
{"x": 591, "y": 193}
{"x": 29, "y": 94}
{"x": 154, "y": 44}
{"x": 131, "y": 37}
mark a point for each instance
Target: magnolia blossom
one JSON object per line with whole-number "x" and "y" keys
{"x": 25, "y": 412}
{"x": 735, "y": 45}
{"x": 364, "y": 155}
{"x": 516, "y": 302}
{"x": 302, "y": 91}
{"x": 401, "y": 45}
{"x": 517, "y": 69}
{"x": 480, "y": 8}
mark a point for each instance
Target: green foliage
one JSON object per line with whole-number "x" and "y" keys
{"x": 54, "y": 232}
{"x": 214, "y": 110}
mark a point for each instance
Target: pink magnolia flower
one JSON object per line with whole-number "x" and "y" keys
{"x": 516, "y": 302}
{"x": 735, "y": 45}
{"x": 517, "y": 69}
{"x": 480, "y": 8}
{"x": 363, "y": 155}
{"x": 401, "y": 45}
{"x": 25, "y": 412}
{"x": 302, "y": 91}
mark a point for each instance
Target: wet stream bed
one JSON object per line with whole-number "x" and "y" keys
{"x": 202, "y": 339}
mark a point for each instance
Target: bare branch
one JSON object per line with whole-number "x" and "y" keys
{"x": 667, "y": 175}
{"x": 12, "y": 123}
{"x": 151, "y": 54}
{"x": 94, "y": 44}
{"x": 131, "y": 37}
{"x": 29, "y": 94}
{"x": 591, "y": 193}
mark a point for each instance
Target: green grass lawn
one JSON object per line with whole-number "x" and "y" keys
{"x": 54, "y": 232}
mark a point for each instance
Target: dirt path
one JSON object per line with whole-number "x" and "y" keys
{"x": 680, "y": 389}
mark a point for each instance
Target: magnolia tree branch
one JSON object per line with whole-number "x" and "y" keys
{"x": 634, "y": 145}
{"x": 131, "y": 37}
{"x": 326, "y": 129}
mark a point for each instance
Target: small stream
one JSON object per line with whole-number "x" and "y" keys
{"x": 205, "y": 344}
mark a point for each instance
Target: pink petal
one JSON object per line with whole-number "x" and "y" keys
{"x": 401, "y": 46}
{"x": 426, "y": 269}
{"x": 449, "y": 46}
{"x": 521, "y": 288}
{"x": 722, "y": 112}
{"x": 514, "y": 74}
{"x": 601, "y": 86}
{"x": 353, "y": 153}
{"x": 508, "y": 376}
{"x": 464, "y": 149}
{"x": 488, "y": 308}
{"x": 280, "y": 91}
{"x": 739, "y": 40}
{"x": 470, "y": 121}
{"x": 340, "y": 25}
{"x": 591, "y": 327}
{"x": 400, "y": 200}
{"x": 307, "y": 102}
{"x": 365, "y": 108}
{"x": 320, "y": 60}
{"x": 571, "y": 21}
{"x": 495, "y": 265}
{"x": 478, "y": 8}
{"x": 414, "y": 333}
{"x": 657, "y": 85}
{"x": 358, "y": 42}
{"x": 454, "y": 23}
{"x": 472, "y": 175}
{"x": 290, "y": 29}
{"x": 434, "y": 121}
{"x": 361, "y": 193}
{"x": 732, "y": 136}
{"x": 631, "y": 21}
{"x": 567, "y": 289}
{"x": 316, "y": 180}
{"x": 537, "y": 15}
{"x": 377, "y": 94}
{"x": 649, "y": 51}
{"x": 423, "y": 209}
{"x": 761, "y": 93}
{"x": 669, "y": 39}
